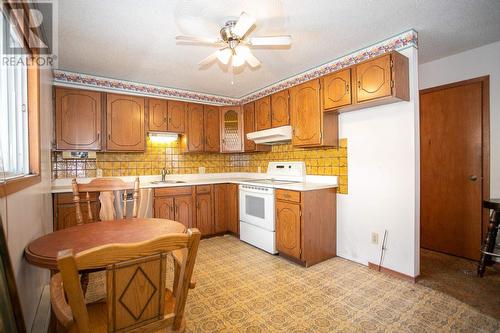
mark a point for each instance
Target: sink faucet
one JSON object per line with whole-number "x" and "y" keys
{"x": 163, "y": 173}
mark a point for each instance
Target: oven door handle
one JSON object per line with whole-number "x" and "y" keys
{"x": 253, "y": 192}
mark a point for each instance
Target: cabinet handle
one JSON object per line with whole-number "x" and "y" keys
{"x": 98, "y": 136}
{"x": 347, "y": 87}
{"x": 109, "y": 136}
{"x": 359, "y": 84}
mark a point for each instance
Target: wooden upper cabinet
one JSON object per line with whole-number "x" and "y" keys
{"x": 125, "y": 123}
{"x": 231, "y": 129}
{"x": 249, "y": 125}
{"x": 311, "y": 126}
{"x": 157, "y": 115}
{"x": 263, "y": 113}
{"x": 374, "y": 79}
{"x": 78, "y": 119}
{"x": 176, "y": 116}
{"x": 288, "y": 228}
{"x": 195, "y": 133}
{"x": 305, "y": 112}
{"x": 280, "y": 112}
{"x": 336, "y": 88}
{"x": 212, "y": 128}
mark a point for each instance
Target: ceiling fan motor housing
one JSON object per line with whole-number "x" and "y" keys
{"x": 227, "y": 34}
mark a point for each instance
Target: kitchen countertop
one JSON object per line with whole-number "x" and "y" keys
{"x": 311, "y": 183}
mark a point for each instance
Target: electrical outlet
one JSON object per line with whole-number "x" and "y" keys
{"x": 374, "y": 238}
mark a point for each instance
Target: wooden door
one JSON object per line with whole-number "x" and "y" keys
{"x": 374, "y": 79}
{"x": 263, "y": 113}
{"x": 204, "y": 216}
{"x": 233, "y": 218}
{"x": 336, "y": 89}
{"x": 288, "y": 228}
{"x": 451, "y": 168}
{"x": 231, "y": 129}
{"x": 306, "y": 113}
{"x": 78, "y": 119}
{"x": 158, "y": 115}
{"x": 176, "y": 116}
{"x": 195, "y": 127}
{"x": 280, "y": 112}
{"x": 164, "y": 208}
{"x": 183, "y": 208}
{"x": 125, "y": 123}
{"x": 221, "y": 207}
{"x": 212, "y": 128}
{"x": 249, "y": 125}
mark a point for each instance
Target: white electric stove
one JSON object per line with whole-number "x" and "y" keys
{"x": 257, "y": 211}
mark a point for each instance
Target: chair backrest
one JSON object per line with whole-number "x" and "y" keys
{"x": 135, "y": 282}
{"x": 108, "y": 188}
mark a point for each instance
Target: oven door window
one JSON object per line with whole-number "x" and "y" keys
{"x": 255, "y": 206}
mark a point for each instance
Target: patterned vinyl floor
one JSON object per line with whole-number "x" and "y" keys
{"x": 242, "y": 289}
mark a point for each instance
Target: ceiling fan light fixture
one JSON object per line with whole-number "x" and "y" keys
{"x": 224, "y": 55}
{"x": 237, "y": 60}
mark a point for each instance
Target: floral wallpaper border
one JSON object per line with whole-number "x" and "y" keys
{"x": 398, "y": 42}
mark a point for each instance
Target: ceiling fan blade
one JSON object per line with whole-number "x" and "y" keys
{"x": 271, "y": 40}
{"x": 209, "y": 59}
{"x": 244, "y": 52}
{"x": 244, "y": 24}
{"x": 196, "y": 39}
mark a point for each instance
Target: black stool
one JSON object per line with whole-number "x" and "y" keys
{"x": 489, "y": 244}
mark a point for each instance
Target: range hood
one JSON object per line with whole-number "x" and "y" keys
{"x": 271, "y": 136}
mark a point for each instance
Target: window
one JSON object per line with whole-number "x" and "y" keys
{"x": 14, "y": 150}
{"x": 19, "y": 113}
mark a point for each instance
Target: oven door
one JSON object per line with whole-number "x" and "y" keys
{"x": 257, "y": 207}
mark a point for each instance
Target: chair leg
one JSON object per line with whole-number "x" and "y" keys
{"x": 177, "y": 272}
{"x": 489, "y": 243}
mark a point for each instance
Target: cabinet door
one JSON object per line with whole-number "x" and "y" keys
{"x": 374, "y": 79}
{"x": 249, "y": 125}
{"x": 78, "y": 119}
{"x": 280, "y": 112}
{"x": 125, "y": 123}
{"x": 66, "y": 214}
{"x": 221, "y": 211}
{"x": 176, "y": 116}
{"x": 212, "y": 128}
{"x": 204, "y": 216}
{"x": 233, "y": 218}
{"x": 231, "y": 129}
{"x": 288, "y": 228}
{"x": 263, "y": 113}
{"x": 183, "y": 207}
{"x": 158, "y": 114}
{"x": 336, "y": 89}
{"x": 164, "y": 208}
{"x": 306, "y": 113}
{"x": 195, "y": 127}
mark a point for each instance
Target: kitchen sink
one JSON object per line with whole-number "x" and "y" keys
{"x": 157, "y": 182}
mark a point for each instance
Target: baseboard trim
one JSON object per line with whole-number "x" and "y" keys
{"x": 393, "y": 273}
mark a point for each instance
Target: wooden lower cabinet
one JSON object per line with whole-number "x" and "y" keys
{"x": 174, "y": 204}
{"x": 65, "y": 211}
{"x": 226, "y": 214}
{"x": 183, "y": 208}
{"x": 164, "y": 208}
{"x": 204, "y": 216}
{"x": 306, "y": 225}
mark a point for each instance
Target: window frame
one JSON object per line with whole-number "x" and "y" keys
{"x": 33, "y": 77}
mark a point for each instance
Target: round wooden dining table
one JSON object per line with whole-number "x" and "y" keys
{"x": 43, "y": 251}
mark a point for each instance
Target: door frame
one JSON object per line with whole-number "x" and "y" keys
{"x": 485, "y": 138}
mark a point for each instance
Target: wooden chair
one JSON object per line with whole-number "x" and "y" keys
{"x": 137, "y": 299}
{"x": 106, "y": 187}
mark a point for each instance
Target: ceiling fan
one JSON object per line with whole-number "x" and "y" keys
{"x": 235, "y": 43}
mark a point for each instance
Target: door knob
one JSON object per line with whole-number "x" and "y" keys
{"x": 473, "y": 178}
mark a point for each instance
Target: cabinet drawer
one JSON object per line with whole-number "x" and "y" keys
{"x": 203, "y": 189}
{"x": 165, "y": 191}
{"x": 67, "y": 198}
{"x": 287, "y": 195}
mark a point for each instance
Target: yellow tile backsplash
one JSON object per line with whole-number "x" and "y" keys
{"x": 319, "y": 161}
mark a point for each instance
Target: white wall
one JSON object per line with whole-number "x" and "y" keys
{"x": 27, "y": 214}
{"x": 484, "y": 60}
{"x": 383, "y": 182}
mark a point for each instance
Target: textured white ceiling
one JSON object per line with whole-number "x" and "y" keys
{"x": 134, "y": 40}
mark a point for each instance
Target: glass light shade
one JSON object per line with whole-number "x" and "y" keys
{"x": 237, "y": 60}
{"x": 224, "y": 55}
